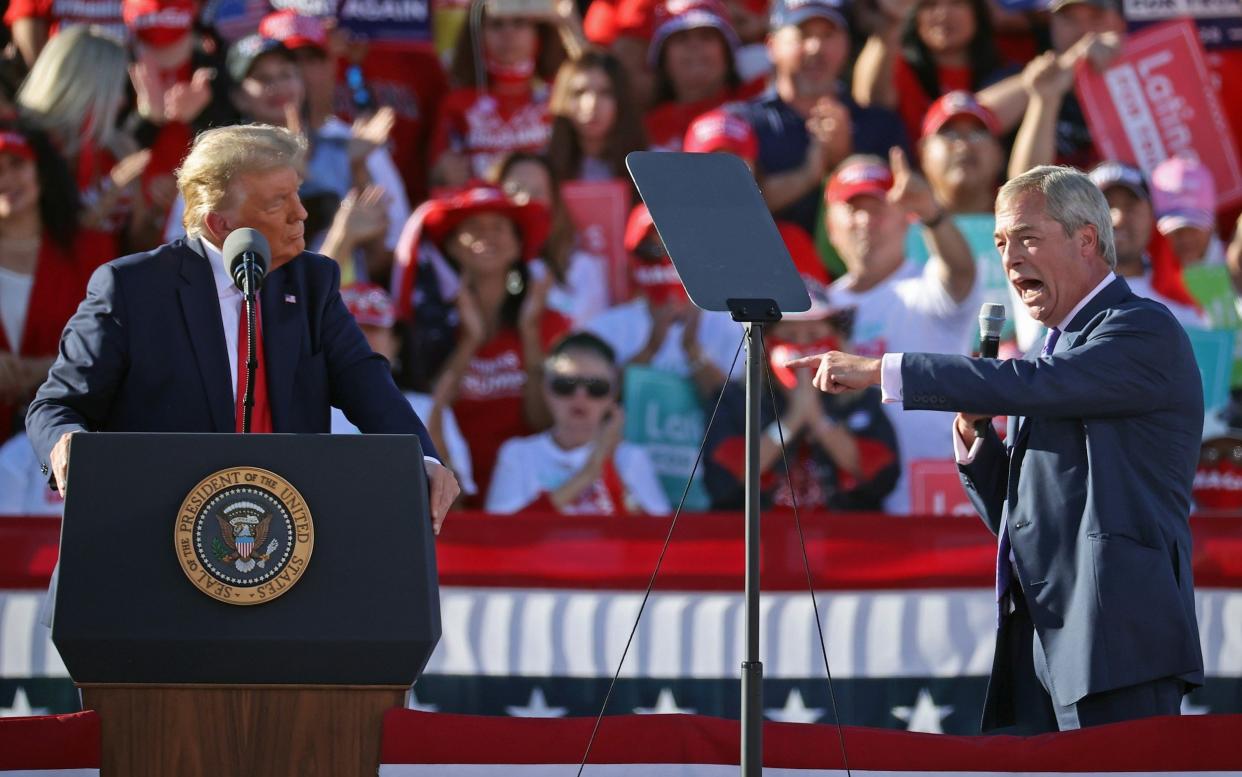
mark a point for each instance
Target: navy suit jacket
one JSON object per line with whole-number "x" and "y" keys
{"x": 1095, "y": 486}
{"x": 145, "y": 352}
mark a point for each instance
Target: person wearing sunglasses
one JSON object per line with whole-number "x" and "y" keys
{"x": 580, "y": 466}
{"x": 842, "y": 455}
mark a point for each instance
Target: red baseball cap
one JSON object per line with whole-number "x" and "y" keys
{"x": 295, "y": 30}
{"x": 859, "y": 178}
{"x": 721, "y": 131}
{"x": 369, "y": 304}
{"x": 158, "y": 22}
{"x": 16, "y": 144}
{"x": 958, "y": 103}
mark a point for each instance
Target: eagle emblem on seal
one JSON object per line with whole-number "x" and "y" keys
{"x": 243, "y": 530}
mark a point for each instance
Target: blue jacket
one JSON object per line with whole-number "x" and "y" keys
{"x": 145, "y": 352}
{"x": 1095, "y": 486}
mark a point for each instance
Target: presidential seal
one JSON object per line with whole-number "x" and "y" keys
{"x": 244, "y": 535}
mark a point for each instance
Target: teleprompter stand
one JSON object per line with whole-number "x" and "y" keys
{"x": 188, "y": 685}
{"x": 731, "y": 258}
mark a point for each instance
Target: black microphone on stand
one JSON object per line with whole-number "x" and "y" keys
{"x": 246, "y": 254}
{"x": 991, "y": 322}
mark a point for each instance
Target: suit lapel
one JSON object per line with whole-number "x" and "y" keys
{"x": 282, "y": 299}
{"x": 200, "y": 306}
{"x": 1072, "y": 336}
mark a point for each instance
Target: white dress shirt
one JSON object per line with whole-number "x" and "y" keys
{"x": 230, "y": 298}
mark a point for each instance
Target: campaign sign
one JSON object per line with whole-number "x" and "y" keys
{"x": 1214, "y": 354}
{"x": 1212, "y": 288}
{"x": 392, "y": 21}
{"x": 1155, "y": 101}
{"x": 1219, "y": 21}
{"x": 936, "y": 488}
{"x": 599, "y": 210}
{"x": 662, "y": 414}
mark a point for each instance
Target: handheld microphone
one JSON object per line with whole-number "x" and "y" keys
{"x": 247, "y": 255}
{"x": 991, "y": 322}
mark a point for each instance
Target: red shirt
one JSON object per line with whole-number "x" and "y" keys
{"x": 666, "y": 123}
{"x": 489, "y": 404}
{"x": 913, "y": 101}
{"x": 488, "y": 126}
{"x": 413, "y": 83}
{"x": 59, "y": 285}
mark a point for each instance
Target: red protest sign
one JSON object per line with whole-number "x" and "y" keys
{"x": 936, "y": 488}
{"x": 599, "y": 209}
{"x": 1156, "y": 100}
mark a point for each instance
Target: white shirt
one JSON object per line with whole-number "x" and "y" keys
{"x": 584, "y": 294}
{"x": 230, "y": 298}
{"x": 23, "y": 487}
{"x": 15, "y": 291}
{"x": 529, "y": 466}
{"x": 454, "y": 440}
{"x": 627, "y": 326}
{"x": 911, "y": 310}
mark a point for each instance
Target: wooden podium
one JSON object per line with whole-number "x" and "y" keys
{"x": 199, "y": 660}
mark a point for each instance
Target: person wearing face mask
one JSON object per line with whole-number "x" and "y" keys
{"x": 661, "y": 327}
{"x": 479, "y": 321}
{"x": 841, "y": 450}
{"x": 580, "y": 466}
{"x": 477, "y": 127}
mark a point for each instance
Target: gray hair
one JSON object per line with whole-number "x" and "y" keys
{"x": 220, "y": 155}
{"x": 75, "y": 88}
{"x": 1070, "y": 199}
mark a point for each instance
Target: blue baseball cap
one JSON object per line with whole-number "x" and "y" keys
{"x": 788, "y": 13}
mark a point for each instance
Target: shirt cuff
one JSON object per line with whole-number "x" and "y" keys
{"x": 960, "y": 453}
{"x": 433, "y": 460}
{"x": 890, "y": 378}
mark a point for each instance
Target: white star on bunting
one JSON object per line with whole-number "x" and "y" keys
{"x": 795, "y": 710}
{"x": 665, "y": 705}
{"x": 21, "y": 706}
{"x": 925, "y": 716}
{"x": 537, "y": 707}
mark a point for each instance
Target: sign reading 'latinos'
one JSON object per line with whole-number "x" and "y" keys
{"x": 244, "y": 535}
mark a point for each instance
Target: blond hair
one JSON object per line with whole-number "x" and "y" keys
{"x": 75, "y": 88}
{"x": 220, "y": 155}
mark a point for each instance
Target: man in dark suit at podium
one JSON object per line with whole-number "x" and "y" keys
{"x": 155, "y": 345}
{"x": 1090, "y": 493}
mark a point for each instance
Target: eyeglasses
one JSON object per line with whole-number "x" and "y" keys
{"x": 565, "y": 386}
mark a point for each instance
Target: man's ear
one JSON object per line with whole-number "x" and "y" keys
{"x": 1089, "y": 240}
{"x": 217, "y": 226}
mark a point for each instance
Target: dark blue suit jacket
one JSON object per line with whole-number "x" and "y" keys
{"x": 1095, "y": 486}
{"x": 145, "y": 352}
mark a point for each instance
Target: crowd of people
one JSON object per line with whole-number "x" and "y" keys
{"x": 444, "y": 177}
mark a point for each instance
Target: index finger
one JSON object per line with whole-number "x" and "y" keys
{"x": 805, "y": 361}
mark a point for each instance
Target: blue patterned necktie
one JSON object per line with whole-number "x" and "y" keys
{"x": 1004, "y": 570}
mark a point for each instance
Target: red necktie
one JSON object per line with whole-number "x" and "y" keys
{"x": 260, "y": 414}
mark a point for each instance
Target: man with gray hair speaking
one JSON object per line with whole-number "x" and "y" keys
{"x": 1090, "y": 493}
{"x": 154, "y": 347}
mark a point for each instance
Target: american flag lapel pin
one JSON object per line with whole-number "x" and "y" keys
{"x": 291, "y": 299}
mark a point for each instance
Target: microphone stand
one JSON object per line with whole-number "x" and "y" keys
{"x": 252, "y": 362}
